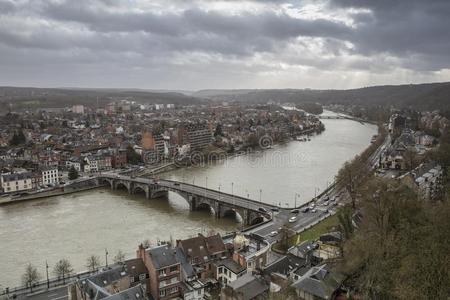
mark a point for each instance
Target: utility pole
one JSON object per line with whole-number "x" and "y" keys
{"x": 46, "y": 271}
{"x": 106, "y": 257}
{"x": 260, "y": 194}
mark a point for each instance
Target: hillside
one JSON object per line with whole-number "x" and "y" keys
{"x": 32, "y": 98}
{"x": 420, "y": 96}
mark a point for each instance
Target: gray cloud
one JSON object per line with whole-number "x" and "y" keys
{"x": 195, "y": 39}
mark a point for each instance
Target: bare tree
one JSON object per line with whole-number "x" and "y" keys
{"x": 93, "y": 262}
{"x": 31, "y": 276}
{"x": 120, "y": 257}
{"x": 62, "y": 269}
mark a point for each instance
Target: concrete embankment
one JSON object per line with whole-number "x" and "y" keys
{"x": 45, "y": 194}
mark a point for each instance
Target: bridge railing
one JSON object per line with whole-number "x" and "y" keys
{"x": 187, "y": 184}
{"x": 220, "y": 192}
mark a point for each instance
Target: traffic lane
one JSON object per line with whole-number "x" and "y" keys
{"x": 225, "y": 198}
{"x": 302, "y": 220}
{"x": 56, "y": 294}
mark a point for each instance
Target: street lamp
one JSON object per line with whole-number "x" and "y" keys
{"x": 106, "y": 257}
{"x": 46, "y": 270}
{"x": 232, "y": 191}
{"x": 296, "y": 194}
{"x": 206, "y": 182}
{"x": 260, "y": 194}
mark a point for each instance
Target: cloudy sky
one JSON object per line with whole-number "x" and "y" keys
{"x": 179, "y": 44}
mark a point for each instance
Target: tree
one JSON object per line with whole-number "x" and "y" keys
{"x": 73, "y": 173}
{"x": 345, "y": 222}
{"x": 62, "y": 269}
{"x": 17, "y": 139}
{"x": 31, "y": 276}
{"x": 93, "y": 262}
{"x": 372, "y": 255}
{"x": 132, "y": 156}
{"x": 218, "y": 131}
{"x": 120, "y": 257}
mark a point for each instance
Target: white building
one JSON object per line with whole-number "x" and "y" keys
{"x": 228, "y": 271}
{"x": 50, "y": 176}
{"x": 16, "y": 182}
{"x": 74, "y": 162}
{"x": 193, "y": 290}
{"x": 78, "y": 109}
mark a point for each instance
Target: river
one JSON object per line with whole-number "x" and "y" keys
{"x": 79, "y": 225}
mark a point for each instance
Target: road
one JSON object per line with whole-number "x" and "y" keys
{"x": 230, "y": 199}
{"x": 54, "y": 294}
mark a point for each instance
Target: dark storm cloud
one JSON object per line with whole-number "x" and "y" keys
{"x": 6, "y": 6}
{"x": 336, "y": 35}
{"x": 401, "y": 27}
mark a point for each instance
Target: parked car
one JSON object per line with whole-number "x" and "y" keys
{"x": 305, "y": 210}
{"x": 176, "y": 184}
{"x": 273, "y": 233}
{"x": 314, "y": 210}
{"x": 325, "y": 203}
{"x": 275, "y": 209}
{"x": 295, "y": 211}
{"x": 262, "y": 209}
{"x": 292, "y": 219}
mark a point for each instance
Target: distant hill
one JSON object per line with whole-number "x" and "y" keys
{"x": 32, "y": 98}
{"x": 428, "y": 96}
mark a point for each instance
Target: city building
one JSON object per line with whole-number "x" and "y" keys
{"x": 164, "y": 271}
{"x": 198, "y": 135}
{"x": 427, "y": 180}
{"x": 78, "y": 109}
{"x": 202, "y": 251}
{"x": 318, "y": 283}
{"x": 50, "y": 176}
{"x": 228, "y": 271}
{"x": 16, "y": 182}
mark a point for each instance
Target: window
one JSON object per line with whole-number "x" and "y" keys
{"x": 173, "y": 269}
{"x": 162, "y": 293}
{"x": 220, "y": 270}
{"x": 162, "y": 273}
{"x": 173, "y": 290}
{"x": 142, "y": 276}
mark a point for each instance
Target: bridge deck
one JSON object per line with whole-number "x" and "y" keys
{"x": 196, "y": 190}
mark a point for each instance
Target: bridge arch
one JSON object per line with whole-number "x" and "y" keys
{"x": 122, "y": 185}
{"x": 141, "y": 189}
{"x": 106, "y": 181}
{"x": 228, "y": 212}
{"x": 205, "y": 206}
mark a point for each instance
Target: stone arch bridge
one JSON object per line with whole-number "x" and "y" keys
{"x": 223, "y": 204}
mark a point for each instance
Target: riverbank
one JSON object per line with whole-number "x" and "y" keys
{"x": 46, "y": 194}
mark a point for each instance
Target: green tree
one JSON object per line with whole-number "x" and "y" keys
{"x": 62, "y": 269}
{"x": 73, "y": 173}
{"x": 31, "y": 276}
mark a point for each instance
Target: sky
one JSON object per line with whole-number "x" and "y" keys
{"x": 208, "y": 44}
